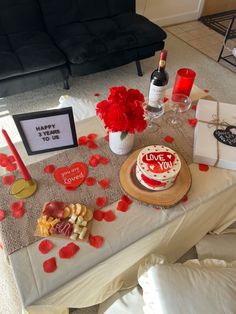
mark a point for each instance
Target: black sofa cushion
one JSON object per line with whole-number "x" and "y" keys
{"x": 87, "y": 34}
{"x": 47, "y": 37}
{"x": 36, "y": 51}
{"x": 118, "y": 7}
{"x": 144, "y": 31}
{"x": 25, "y": 46}
{"x": 64, "y": 12}
{"x": 9, "y": 64}
{"x": 82, "y": 42}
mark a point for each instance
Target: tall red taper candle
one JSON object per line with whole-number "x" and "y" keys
{"x": 18, "y": 159}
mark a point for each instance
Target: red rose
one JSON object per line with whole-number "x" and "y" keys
{"x": 102, "y": 109}
{"x": 118, "y": 94}
{"x": 134, "y": 95}
{"x": 123, "y": 111}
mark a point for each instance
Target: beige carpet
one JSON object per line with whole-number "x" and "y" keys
{"x": 210, "y": 75}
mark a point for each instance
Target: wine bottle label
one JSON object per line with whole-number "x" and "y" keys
{"x": 156, "y": 94}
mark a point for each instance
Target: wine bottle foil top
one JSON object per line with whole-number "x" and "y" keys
{"x": 163, "y": 55}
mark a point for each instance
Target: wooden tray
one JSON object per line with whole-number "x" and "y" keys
{"x": 165, "y": 198}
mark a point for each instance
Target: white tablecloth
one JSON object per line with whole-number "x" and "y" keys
{"x": 211, "y": 199}
{"x": 95, "y": 274}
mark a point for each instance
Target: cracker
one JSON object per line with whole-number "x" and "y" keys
{"x": 66, "y": 212}
{"x": 89, "y": 215}
{"x": 84, "y": 210}
{"x": 72, "y": 208}
{"x": 78, "y": 209}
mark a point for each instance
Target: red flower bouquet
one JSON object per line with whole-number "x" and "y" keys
{"x": 122, "y": 111}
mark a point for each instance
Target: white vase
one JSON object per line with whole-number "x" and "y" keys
{"x": 121, "y": 146}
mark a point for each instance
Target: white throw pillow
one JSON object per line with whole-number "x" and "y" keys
{"x": 195, "y": 287}
{"x": 217, "y": 246}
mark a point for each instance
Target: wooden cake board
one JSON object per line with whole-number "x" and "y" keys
{"x": 166, "y": 198}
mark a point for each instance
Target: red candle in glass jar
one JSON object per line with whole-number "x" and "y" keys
{"x": 184, "y": 81}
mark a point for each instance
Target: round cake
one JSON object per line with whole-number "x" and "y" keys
{"x": 157, "y": 167}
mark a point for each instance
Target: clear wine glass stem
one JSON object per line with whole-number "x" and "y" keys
{"x": 150, "y": 122}
{"x": 175, "y": 119}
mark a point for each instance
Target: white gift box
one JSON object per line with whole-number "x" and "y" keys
{"x": 205, "y": 144}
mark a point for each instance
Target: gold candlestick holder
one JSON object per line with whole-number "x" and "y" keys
{"x": 22, "y": 188}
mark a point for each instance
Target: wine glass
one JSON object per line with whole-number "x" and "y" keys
{"x": 152, "y": 111}
{"x": 179, "y": 103}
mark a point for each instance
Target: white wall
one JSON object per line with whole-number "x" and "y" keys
{"x": 168, "y": 12}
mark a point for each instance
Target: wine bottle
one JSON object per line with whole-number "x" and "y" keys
{"x": 159, "y": 81}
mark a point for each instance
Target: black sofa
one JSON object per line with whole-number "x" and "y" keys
{"x": 43, "y": 39}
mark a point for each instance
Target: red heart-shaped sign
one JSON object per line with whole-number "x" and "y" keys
{"x": 72, "y": 176}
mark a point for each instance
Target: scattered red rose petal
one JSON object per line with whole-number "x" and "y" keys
{"x": 101, "y": 201}
{"x": 11, "y": 159}
{"x": 96, "y": 94}
{"x": 98, "y": 159}
{"x": 2, "y": 214}
{"x": 192, "y": 122}
{"x": 16, "y": 205}
{"x": 126, "y": 199}
{"x": 3, "y": 156}
{"x": 69, "y": 250}
{"x": 194, "y": 107}
{"x": 157, "y": 208}
{"x": 96, "y": 241}
{"x": 11, "y": 167}
{"x": 70, "y": 187}
{"x": 49, "y": 169}
{"x": 203, "y": 167}
{"x": 18, "y": 213}
{"x": 98, "y": 215}
{"x": 168, "y": 139}
{"x": 206, "y": 90}
{"x": 107, "y": 137}
{"x": 1, "y": 246}
{"x": 96, "y": 156}
{"x": 122, "y": 206}
{"x": 93, "y": 161}
{"x": 109, "y": 216}
{"x": 89, "y": 181}
{"x": 82, "y": 140}
{"x": 92, "y": 136}
{"x": 50, "y": 265}
{"x": 104, "y": 160}
{"x": 45, "y": 246}
{"x": 165, "y": 99}
{"x": 92, "y": 145}
{"x": 4, "y": 162}
{"x": 185, "y": 199}
{"x": 8, "y": 180}
{"x": 104, "y": 183}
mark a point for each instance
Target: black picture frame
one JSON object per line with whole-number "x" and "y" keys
{"x": 27, "y": 131}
